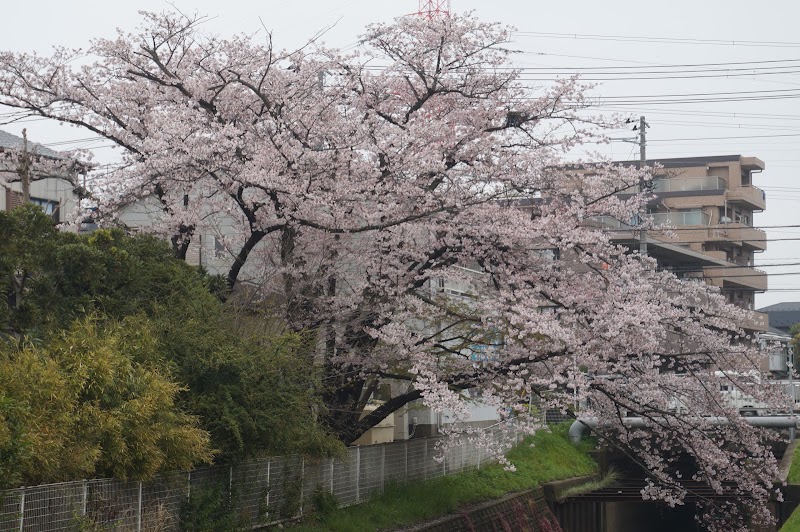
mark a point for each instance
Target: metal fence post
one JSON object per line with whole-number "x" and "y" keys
{"x": 358, "y": 474}
{"x": 332, "y": 471}
{"x": 302, "y": 482}
{"x": 269, "y": 487}
{"x": 139, "y": 510}
{"x": 22, "y": 510}
{"x": 230, "y": 487}
{"x": 85, "y": 497}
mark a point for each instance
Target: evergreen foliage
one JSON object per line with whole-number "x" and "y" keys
{"x": 116, "y": 359}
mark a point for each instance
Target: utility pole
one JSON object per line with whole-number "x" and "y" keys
{"x": 642, "y": 141}
{"x": 642, "y": 164}
{"x": 24, "y": 169}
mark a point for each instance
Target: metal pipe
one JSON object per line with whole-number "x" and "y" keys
{"x": 579, "y": 426}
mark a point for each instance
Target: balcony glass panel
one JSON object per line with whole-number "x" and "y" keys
{"x": 686, "y": 184}
{"x": 609, "y": 222}
{"x": 680, "y": 218}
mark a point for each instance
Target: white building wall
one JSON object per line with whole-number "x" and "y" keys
{"x": 50, "y": 189}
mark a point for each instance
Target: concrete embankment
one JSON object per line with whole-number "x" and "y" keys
{"x": 527, "y": 510}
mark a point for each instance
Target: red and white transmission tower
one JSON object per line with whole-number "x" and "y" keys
{"x": 434, "y": 9}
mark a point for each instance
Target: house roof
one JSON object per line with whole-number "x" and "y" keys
{"x": 788, "y": 306}
{"x": 682, "y": 162}
{"x": 9, "y": 141}
{"x": 783, "y": 315}
{"x": 772, "y": 331}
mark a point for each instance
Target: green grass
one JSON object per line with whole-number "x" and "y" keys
{"x": 793, "y": 523}
{"x": 593, "y": 485}
{"x": 553, "y": 457}
{"x": 794, "y": 469}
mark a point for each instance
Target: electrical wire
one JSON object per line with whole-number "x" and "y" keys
{"x": 700, "y": 67}
{"x": 660, "y": 40}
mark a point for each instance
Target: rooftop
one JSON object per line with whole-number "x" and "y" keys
{"x": 9, "y": 141}
{"x": 789, "y": 306}
{"x": 680, "y": 162}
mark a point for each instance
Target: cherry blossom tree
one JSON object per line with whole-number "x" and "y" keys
{"x": 408, "y": 203}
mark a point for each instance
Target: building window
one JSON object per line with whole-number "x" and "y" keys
{"x": 219, "y": 248}
{"x": 50, "y": 207}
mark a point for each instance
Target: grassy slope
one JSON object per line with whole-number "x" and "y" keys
{"x": 552, "y": 457}
{"x": 793, "y": 523}
{"x": 794, "y": 469}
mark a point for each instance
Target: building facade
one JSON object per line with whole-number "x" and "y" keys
{"x": 702, "y": 225}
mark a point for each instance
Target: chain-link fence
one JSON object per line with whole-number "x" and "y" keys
{"x": 254, "y": 493}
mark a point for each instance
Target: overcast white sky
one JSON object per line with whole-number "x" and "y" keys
{"x": 587, "y": 36}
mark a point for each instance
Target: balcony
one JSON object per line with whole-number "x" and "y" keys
{"x": 681, "y": 218}
{"x": 689, "y": 184}
{"x": 739, "y": 234}
{"x": 749, "y": 196}
{"x": 609, "y": 222}
{"x": 748, "y": 278}
{"x": 756, "y": 321}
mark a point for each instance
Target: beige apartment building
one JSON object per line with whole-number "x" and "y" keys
{"x": 702, "y": 214}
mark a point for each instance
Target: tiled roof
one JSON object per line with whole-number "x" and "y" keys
{"x": 789, "y": 306}
{"x": 7, "y": 140}
{"x": 777, "y": 332}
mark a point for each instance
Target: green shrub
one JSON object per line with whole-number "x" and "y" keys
{"x": 324, "y": 502}
{"x": 210, "y": 509}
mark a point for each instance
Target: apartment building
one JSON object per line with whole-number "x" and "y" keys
{"x": 702, "y": 213}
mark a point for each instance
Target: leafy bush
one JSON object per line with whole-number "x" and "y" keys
{"x": 210, "y": 509}
{"x": 324, "y": 502}
{"x": 122, "y": 349}
{"x": 92, "y": 402}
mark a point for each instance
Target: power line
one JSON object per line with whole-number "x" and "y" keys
{"x": 734, "y": 125}
{"x": 706, "y": 241}
{"x": 638, "y": 77}
{"x": 745, "y": 275}
{"x": 663, "y": 40}
{"x": 777, "y": 135}
{"x": 718, "y": 227}
{"x": 674, "y": 65}
{"x": 718, "y": 114}
{"x": 735, "y": 266}
{"x": 700, "y": 67}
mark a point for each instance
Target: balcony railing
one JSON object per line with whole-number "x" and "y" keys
{"x": 750, "y": 196}
{"x": 609, "y": 222}
{"x": 681, "y": 218}
{"x": 675, "y": 219}
{"x": 756, "y": 321}
{"x": 741, "y": 233}
{"x": 688, "y": 184}
{"x": 749, "y": 278}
